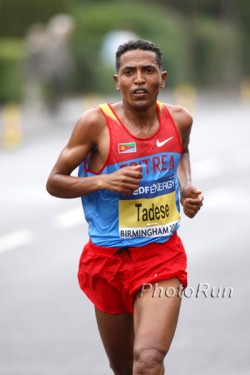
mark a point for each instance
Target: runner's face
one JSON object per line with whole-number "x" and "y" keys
{"x": 139, "y": 78}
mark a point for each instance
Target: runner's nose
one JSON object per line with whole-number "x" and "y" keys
{"x": 139, "y": 79}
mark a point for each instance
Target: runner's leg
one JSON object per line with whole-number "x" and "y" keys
{"x": 117, "y": 333}
{"x": 155, "y": 320}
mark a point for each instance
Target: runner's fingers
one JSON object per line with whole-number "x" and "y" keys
{"x": 190, "y": 213}
{"x": 193, "y": 203}
{"x": 130, "y": 186}
{"x": 131, "y": 179}
{"x": 132, "y": 173}
{"x": 191, "y": 209}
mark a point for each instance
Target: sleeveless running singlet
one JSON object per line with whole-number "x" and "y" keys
{"x": 152, "y": 213}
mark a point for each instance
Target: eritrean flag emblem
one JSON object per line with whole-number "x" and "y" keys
{"x": 125, "y": 148}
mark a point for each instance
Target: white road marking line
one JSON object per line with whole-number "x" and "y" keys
{"x": 69, "y": 219}
{"x": 15, "y": 239}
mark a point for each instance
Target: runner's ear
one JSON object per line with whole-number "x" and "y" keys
{"x": 164, "y": 75}
{"x": 117, "y": 83}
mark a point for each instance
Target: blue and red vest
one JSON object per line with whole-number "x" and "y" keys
{"x": 152, "y": 213}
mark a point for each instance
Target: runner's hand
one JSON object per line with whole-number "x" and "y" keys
{"x": 191, "y": 200}
{"x": 125, "y": 180}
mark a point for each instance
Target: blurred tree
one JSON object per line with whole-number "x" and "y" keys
{"x": 235, "y": 14}
{"x": 215, "y": 52}
{"x": 94, "y": 21}
{"x": 18, "y": 15}
{"x": 48, "y": 63}
{"x": 204, "y": 42}
{"x": 215, "y": 8}
{"x": 11, "y": 55}
{"x": 198, "y": 49}
{"x": 244, "y": 20}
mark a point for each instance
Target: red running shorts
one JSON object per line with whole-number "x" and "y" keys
{"x": 111, "y": 277}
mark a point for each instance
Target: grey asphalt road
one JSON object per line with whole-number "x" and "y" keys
{"x": 47, "y": 325}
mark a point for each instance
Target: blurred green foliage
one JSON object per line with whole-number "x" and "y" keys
{"x": 11, "y": 55}
{"x": 215, "y": 53}
{"x": 18, "y": 15}
{"x": 200, "y": 50}
{"x": 93, "y": 23}
{"x": 205, "y": 43}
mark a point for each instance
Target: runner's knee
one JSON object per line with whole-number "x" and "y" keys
{"x": 148, "y": 362}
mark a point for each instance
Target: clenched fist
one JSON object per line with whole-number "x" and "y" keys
{"x": 191, "y": 200}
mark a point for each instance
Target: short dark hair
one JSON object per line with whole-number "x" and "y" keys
{"x": 141, "y": 44}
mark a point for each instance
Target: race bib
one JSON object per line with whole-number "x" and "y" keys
{"x": 150, "y": 212}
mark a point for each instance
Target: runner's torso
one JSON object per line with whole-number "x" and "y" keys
{"x": 151, "y": 214}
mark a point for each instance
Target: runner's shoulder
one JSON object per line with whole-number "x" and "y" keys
{"x": 181, "y": 115}
{"x": 89, "y": 128}
{"x": 91, "y": 119}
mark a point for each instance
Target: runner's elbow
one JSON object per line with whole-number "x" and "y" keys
{"x": 51, "y": 186}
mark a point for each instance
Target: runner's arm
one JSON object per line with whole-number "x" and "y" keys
{"x": 87, "y": 133}
{"x": 191, "y": 197}
{"x": 60, "y": 182}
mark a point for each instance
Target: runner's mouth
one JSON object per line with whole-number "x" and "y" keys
{"x": 139, "y": 92}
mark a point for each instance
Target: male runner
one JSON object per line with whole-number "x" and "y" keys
{"x": 134, "y": 165}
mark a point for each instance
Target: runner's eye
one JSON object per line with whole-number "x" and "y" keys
{"x": 149, "y": 70}
{"x": 128, "y": 72}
